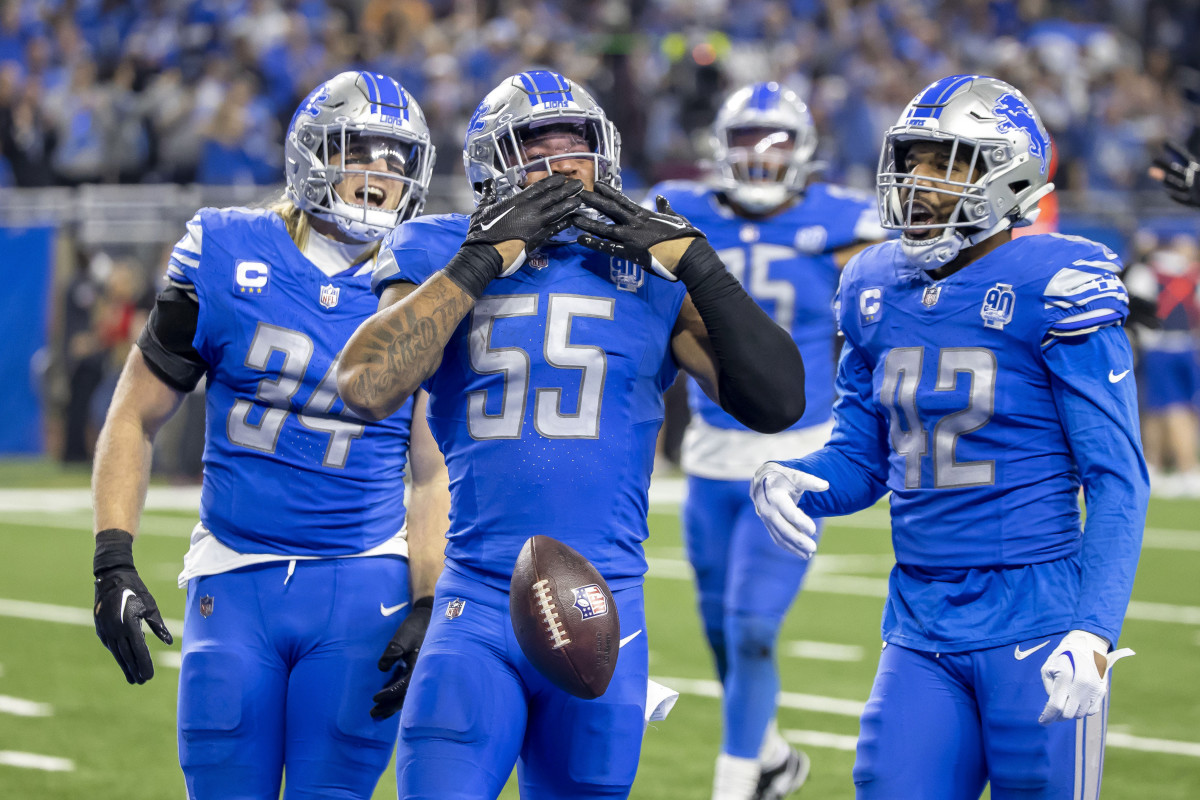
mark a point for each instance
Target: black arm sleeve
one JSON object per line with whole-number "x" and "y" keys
{"x": 166, "y": 341}
{"x": 760, "y": 372}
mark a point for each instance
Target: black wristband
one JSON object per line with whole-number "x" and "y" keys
{"x": 474, "y": 267}
{"x": 423, "y": 602}
{"x": 114, "y": 548}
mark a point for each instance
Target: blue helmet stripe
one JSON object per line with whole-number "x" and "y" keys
{"x": 545, "y": 86}
{"x": 386, "y": 96}
{"x": 765, "y": 96}
{"x": 930, "y": 102}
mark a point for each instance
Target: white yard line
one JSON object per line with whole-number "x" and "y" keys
{"x": 20, "y": 707}
{"x": 823, "y": 651}
{"x": 795, "y": 700}
{"x": 13, "y": 758}
{"x": 67, "y": 615}
{"x": 828, "y": 582}
{"x": 853, "y": 708}
{"x": 833, "y": 741}
{"x": 665, "y": 496}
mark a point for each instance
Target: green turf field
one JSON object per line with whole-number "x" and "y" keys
{"x": 70, "y": 727}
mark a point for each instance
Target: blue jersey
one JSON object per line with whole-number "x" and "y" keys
{"x": 548, "y": 401}
{"x": 786, "y": 263}
{"x": 287, "y": 470}
{"x": 981, "y": 401}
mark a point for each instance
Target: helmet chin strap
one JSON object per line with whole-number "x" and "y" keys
{"x": 931, "y": 254}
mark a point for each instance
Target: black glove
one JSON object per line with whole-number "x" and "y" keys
{"x": 532, "y": 215}
{"x": 635, "y": 229}
{"x": 404, "y": 647}
{"x": 1181, "y": 174}
{"x": 122, "y": 602}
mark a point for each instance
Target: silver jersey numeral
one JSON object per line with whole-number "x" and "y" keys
{"x": 274, "y": 395}
{"x": 549, "y": 418}
{"x": 898, "y": 393}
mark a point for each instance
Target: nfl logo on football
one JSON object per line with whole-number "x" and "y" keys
{"x": 998, "y": 305}
{"x": 329, "y": 295}
{"x": 627, "y": 275}
{"x": 590, "y": 601}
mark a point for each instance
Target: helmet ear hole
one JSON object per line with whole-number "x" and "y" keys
{"x": 1016, "y": 187}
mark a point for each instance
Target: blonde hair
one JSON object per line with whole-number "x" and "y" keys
{"x": 299, "y": 226}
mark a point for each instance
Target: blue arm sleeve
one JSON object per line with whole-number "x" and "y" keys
{"x": 1100, "y": 418}
{"x": 855, "y": 461}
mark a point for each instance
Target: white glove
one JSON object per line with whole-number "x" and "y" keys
{"x": 1075, "y": 676}
{"x": 775, "y": 491}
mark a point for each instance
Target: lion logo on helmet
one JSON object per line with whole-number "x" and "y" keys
{"x": 1015, "y": 114}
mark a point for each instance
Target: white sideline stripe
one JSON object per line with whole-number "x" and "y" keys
{"x": 1146, "y": 745}
{"x": 794, "y": 700}
{"x": 20, "y": 707}
{"x": 851, "y": 708}
{"x": 665, "y": 495}
{"x": 1123, "y": 741}
{"x": 1163, "y": 612}
{"x": 856, "y": 585}
{"x": 824, "y": 651}
{"x": 68, "y": 615}
{"x": 834, "y": 741}
{"x": 13, "y": 758}
{"x": 173, "y": 498}
{"x": 171, "y": 659}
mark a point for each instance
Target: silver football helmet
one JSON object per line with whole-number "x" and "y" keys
{"x": 359, "y": 118}
{"x": 523, "y": 106}
{"x": 993, "y": 128}
{"x": 752, "y": 171}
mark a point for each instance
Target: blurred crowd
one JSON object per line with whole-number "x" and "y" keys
{"x": 201, "y": 90}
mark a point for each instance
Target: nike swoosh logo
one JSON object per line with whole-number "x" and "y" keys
{"x": 671, "y": 222}
{"x": 1114, "y": 377}
{"x": 387, "y": 611}
{"x": 1021, "y": 655}
{"x": 629, "y": 638}
{"x": 488, "y": 226}
{"x": 125, "y": 595}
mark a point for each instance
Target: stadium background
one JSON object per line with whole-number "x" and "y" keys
{"x": 119, "y": 119}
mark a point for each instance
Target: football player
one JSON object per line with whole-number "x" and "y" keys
{"x": 297, "y": 574}
{"x": 546, "y": 352}
{"x": 984, "y": 379}
{"x": 785, "y": 239}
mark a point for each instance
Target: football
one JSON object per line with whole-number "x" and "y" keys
{"x": 564, "y": 617}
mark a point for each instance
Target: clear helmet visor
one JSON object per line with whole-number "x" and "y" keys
{"x": 526, "y": 151}
{"x": 373, "y": 178}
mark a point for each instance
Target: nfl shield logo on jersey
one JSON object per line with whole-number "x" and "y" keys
{"x": 455, "y": 608}
{"x": 590, "y": 601}
{"x": 206, "y": 606}
{"x": 329, "y": 295}
{"x": 930, "y": 298}
{"x": 538, "y": 260}
{"x": 998, "y": 305}
{"x": 627, "y": 275}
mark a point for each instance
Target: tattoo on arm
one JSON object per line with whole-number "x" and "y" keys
{"x": 406, "y": 346}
